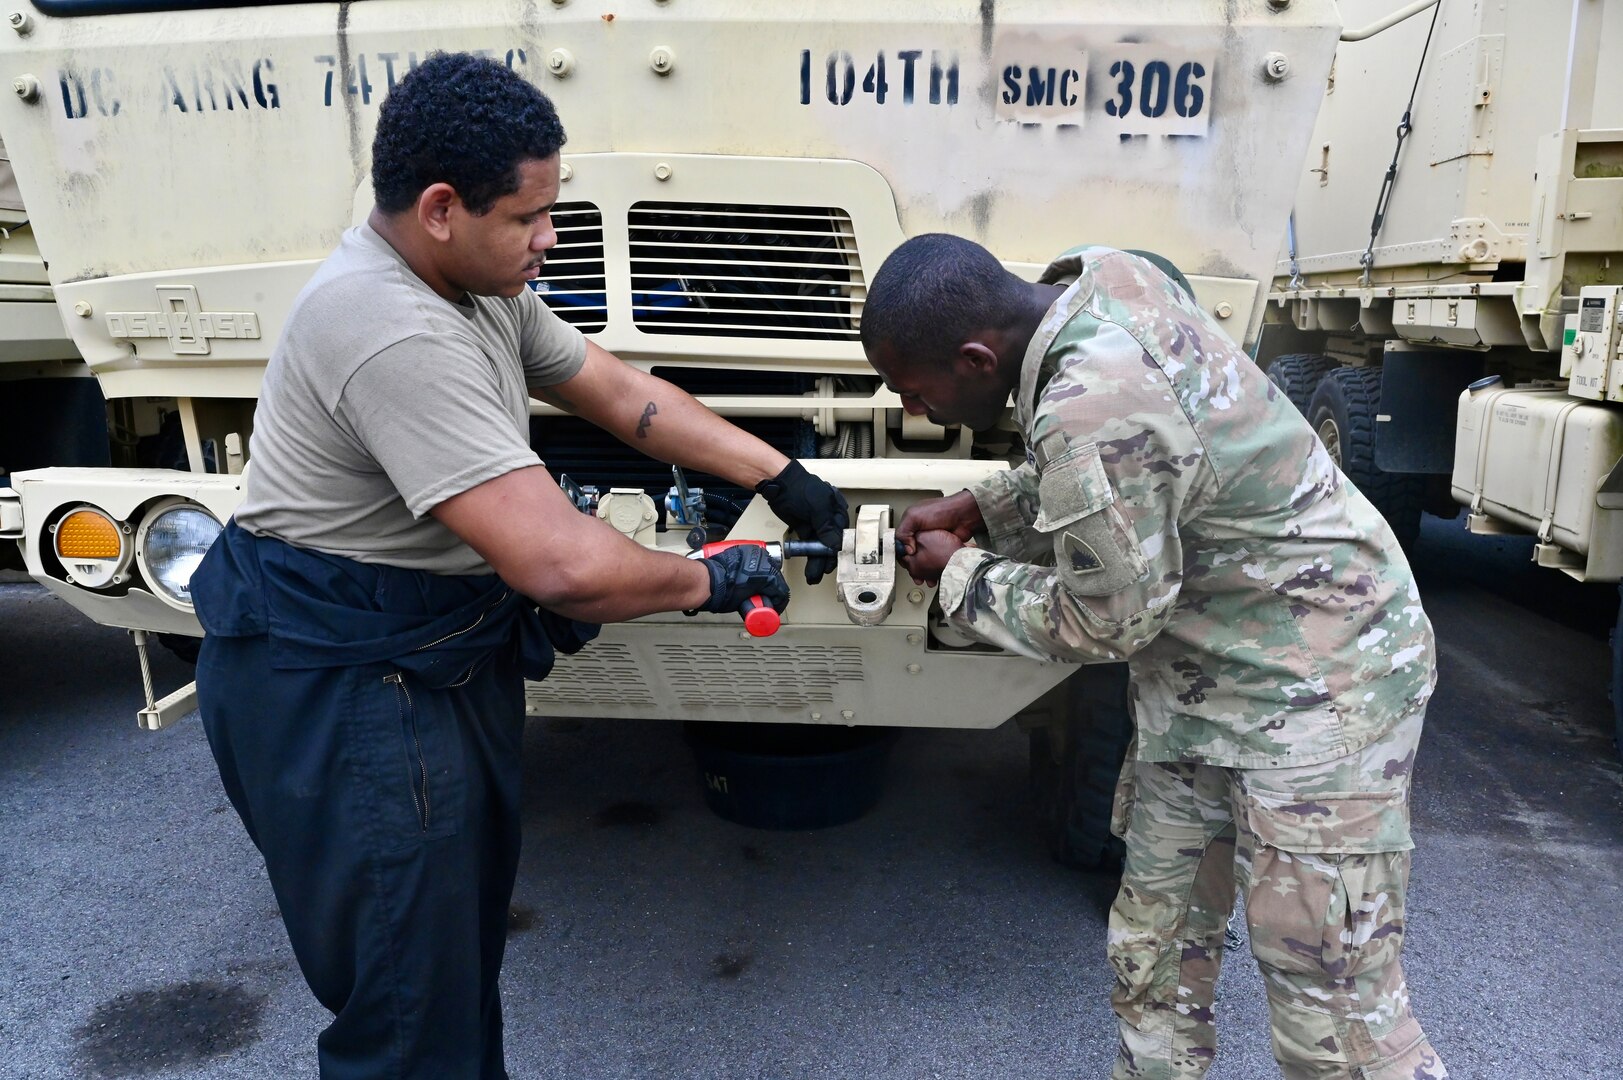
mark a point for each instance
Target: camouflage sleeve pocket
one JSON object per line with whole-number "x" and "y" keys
{"x": 1094, "y": 548}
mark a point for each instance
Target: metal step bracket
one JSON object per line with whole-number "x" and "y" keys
{"x": 160, "y": 714}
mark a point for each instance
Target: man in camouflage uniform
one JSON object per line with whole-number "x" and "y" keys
{"x": 1177, "y": 512}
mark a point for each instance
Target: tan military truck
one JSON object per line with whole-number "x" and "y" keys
{"x": 735, "y": 173}
{"x": 52, "y": 412}
{"x": 1447, "y": 309}
{"x": 51, "y": 409}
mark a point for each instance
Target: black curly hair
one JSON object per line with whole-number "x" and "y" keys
{"x": 463, "y": 120}
{"x": 935, "y": 291}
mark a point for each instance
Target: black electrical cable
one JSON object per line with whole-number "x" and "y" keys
{"x": 1367, "y": 260}
{"x": 729, "y": 511}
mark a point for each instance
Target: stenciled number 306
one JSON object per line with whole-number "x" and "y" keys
{"x": 1156, "y": 87}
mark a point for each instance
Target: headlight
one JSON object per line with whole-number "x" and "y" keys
{"x": 94, "y": 549}
{"x": 172, "y": 540}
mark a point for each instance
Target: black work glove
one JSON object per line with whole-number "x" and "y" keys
{"x": 741, "y": 572}
{"x": 813, "y": 508}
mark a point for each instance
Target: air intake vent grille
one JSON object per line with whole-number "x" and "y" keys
{"x": 765, "y": 677}
{"x": 605, "y": 673}
{"x": 571, "y": 282}
{"x": 734, "y": 270}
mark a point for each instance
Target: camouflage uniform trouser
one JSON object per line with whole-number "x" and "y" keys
{"x": 1321, "y": 853}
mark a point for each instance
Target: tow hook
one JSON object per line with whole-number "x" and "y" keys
{"x": 866, "y": 576}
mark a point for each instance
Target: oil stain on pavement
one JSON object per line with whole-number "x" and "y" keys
{"x": 519, "y": 919}
{"x": 147, "y": 1031}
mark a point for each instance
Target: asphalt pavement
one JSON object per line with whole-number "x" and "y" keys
{"x": 931, "y": 938}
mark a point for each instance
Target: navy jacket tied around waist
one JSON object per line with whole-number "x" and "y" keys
{"x": 320, "y": 611}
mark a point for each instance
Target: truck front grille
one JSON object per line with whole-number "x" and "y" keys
{"x": 735, "y": 270}
{"x": 571, "y": 281}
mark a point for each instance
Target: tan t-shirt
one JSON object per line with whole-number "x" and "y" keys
{"x": 383, "y": 399}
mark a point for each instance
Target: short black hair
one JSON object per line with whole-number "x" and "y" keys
{"x": 462, "y": 120}
{"x": 936, "y": 291}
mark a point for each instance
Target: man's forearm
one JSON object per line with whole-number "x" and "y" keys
{"x": 661, "y": 420}
{"x": 567, "y": 562}
{"x": 1008, "y": 506}
{"x": 1025, "y": 609}
{"x": 611, "y": 579}
{"x": 1008, "y": 500}
{"x": 673, "y": 427}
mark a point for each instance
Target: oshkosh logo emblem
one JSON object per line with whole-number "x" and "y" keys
{"x": 183, "y": 321}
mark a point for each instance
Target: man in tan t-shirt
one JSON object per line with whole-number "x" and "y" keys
{"x": 372, "y": 608}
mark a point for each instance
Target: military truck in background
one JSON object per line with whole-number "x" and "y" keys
{"x": 735, "y": 174}
{"x": 1458, "y": 340}
{"x": 52, "y": 412}
{"x": 51, "y": 409}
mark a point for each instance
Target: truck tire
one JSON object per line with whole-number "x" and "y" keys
{"x": 1297, "y": 375}
{"x": 1074, "y": 767}
{"x": 1342, "y": 413}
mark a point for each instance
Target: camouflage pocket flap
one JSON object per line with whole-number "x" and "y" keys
{"x": 1072, "y": 486}
{"x": 1343, "y": 823}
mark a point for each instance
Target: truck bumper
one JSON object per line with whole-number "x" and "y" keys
{"x": 807, "y": 673}
{"x": 44, "y": 496}
{"x": 819, "y": 668}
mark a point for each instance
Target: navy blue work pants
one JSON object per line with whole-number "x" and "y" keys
{"x": 388, "y": 816}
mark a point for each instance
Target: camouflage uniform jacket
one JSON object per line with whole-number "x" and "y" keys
{"x": 1176, "y": 511}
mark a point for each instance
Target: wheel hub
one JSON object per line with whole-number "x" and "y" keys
{"x": 1330, "y": 435}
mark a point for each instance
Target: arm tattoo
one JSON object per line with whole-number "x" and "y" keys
{"x": 647, "y": 420}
